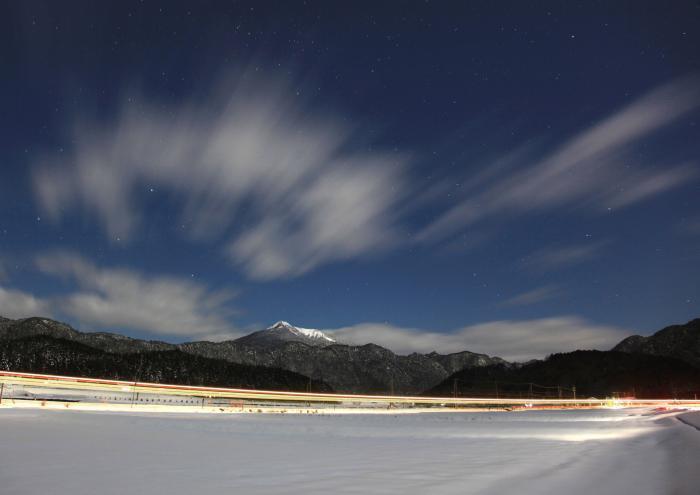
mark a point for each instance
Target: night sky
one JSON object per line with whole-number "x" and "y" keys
{"x": 515, "y": 178}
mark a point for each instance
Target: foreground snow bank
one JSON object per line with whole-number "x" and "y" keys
{"x": 595, "y": 451}
{"x": 691, "y": 419}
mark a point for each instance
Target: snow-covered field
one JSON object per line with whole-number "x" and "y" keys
{"x": 534, "y": 452}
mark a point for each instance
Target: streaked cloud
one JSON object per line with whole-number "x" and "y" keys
{"x": 284, "y": 189}
{"x": 556, "y": 257}
{"x": 117, "y": 298}
{"x": 346, "y": 213}
{"x": 533, "y": 296}
{"x": 511, "y": 340}
{"x": 650, "y": 185}
{"x": 591, "y": 168}
{"x": 688, "y": 226}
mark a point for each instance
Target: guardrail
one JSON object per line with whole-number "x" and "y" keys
{"x": 136, "y": 387}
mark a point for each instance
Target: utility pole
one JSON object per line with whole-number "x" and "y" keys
{"x": 559, "y": 390}
{"x": 574, "y": 389}
{"x": 531, "y": 390}
{"x": 2, "y": 389}
{"x": 454, "y": 391}
{"x": 134, "y": 395}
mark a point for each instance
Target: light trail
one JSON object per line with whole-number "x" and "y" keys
{"x": 9, "y": 378}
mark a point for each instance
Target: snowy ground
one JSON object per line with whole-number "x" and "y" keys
{"x": 534, "y": 452}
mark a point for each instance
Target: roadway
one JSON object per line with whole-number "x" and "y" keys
{"x": 11, "y": 380}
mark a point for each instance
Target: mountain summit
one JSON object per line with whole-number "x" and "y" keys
{"x": 283, "y": 332}
{"x": 310, "y": 333}
{"x": 676, "y": 341}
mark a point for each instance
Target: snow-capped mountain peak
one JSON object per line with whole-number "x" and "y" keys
{"x": 311, "y": 333}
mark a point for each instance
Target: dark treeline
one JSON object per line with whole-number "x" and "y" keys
{"x": 589, "y": 373}
{"x": 43, "y": 354}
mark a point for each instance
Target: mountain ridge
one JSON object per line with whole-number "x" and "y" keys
{"x": 664, "y": 364}
{"x": 371, "y": 368}
{"x": 47, "y": 354}
{"x": 346, "y": 368}
{"x": 579, "y": 374}
{"x": 680, "y": 341}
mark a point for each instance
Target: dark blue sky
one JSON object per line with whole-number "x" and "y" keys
{"x": 420, "y": 174}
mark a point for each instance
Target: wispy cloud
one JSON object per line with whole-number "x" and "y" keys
{"x": 555, "y": 257}
{"x": 115, "y": 298}
{"x": 533, "y": 296}
{"x": 16, "y": 303}
{"x": 283, "y": 189}
{"x": 251, "y": 159}
{"x": 512, "y": 340}
{"x": 590, "y": 168}
{"x": 650, "y": 184}
{"x": 688, "y": 226}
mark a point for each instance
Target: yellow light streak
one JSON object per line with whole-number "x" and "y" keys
{"x": 99, "y": 385}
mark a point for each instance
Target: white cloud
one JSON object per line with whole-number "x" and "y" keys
{"x": 590, "y": 168}
{"x": 346, "y": 213}
{"x": 533, "y": 296}
{"x": 560, "y": 256}
{"x": 115, "y": 299}
{"x": 285, "y": 190}
{"x": 650, "y": 184}
{"x": 511, "y": 340}
{"x": 251, "y": 155}
{"x": 18, "y": 304}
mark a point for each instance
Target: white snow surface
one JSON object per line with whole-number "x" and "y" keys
{"x": 575, "y": 452}
{"x": 307, "y": 332}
